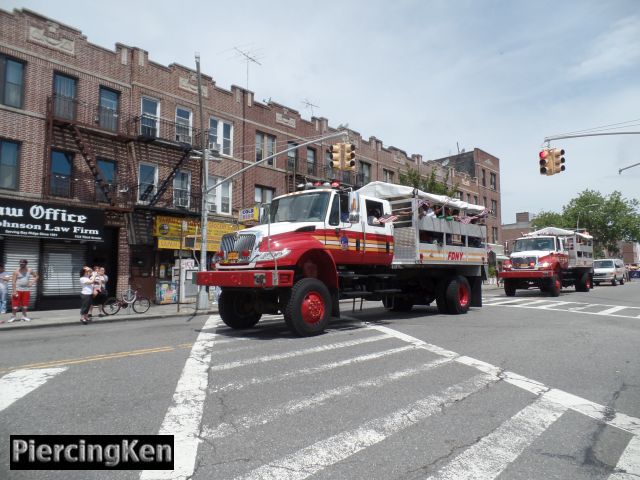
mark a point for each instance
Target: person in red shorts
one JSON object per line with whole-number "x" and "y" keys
{"x": 23, "y": 278}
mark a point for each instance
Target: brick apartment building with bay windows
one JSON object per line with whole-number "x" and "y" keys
{"x": 107, "y": 142}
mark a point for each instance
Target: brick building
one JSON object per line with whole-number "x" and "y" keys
{"x": 108, "y": 143}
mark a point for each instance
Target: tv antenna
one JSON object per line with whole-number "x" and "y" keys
{"x": 307, "y": 103}
{"x": 249, "y": 58}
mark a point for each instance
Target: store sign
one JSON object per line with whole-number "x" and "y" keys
{"x": 175, "y": 232}
{"x": 249, "y": 214}
{"x": 40, "y": 220}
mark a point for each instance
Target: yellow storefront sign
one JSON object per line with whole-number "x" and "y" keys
{"x": 171, "y": 230}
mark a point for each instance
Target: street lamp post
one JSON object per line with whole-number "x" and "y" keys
{"x": 202, "y": 301}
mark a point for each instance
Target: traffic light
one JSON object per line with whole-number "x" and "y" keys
{"x": 546, "y": 163}
{"x": 337, "y": 156}
{"x": 557, "y": 159}
{"x": 349, "y": 156}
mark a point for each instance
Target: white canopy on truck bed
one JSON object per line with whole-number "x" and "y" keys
{"x": 556, "y": 231}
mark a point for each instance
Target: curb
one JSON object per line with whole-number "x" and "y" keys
{"x": 111, "y": 319}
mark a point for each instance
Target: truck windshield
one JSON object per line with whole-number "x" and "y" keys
{"x": 528, "y": 244}
{"x": 307, "y": 207}
{"x": 603, "y": 264}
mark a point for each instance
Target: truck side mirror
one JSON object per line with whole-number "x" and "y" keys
{"x": 354, "y": 217}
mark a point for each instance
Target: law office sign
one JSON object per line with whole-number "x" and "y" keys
{"x": 40, "y": 220}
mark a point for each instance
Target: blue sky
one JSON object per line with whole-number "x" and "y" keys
{"x": 423, "y": 76}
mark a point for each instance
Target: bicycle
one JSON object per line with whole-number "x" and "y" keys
{"x": 139, "y": 303}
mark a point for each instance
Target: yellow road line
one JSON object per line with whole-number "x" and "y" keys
{"x": 95, "y": 358}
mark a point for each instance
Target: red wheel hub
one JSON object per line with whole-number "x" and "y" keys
{"x": 463, "y": 295}
{"x": 312, "y": 308}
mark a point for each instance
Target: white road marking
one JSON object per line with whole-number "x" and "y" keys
{"x": 607, "y": 312}
{"x": 327, "y": 452}
{"x": 552, "y": 305}
{"x": 298, "y": 405}
{"x": 628, "y": 467}
{"x": 17, "y": 384}
{"x": 581, "y": 405}
{"x": 296, "y": 353}
{"x": 583, "y": 307}
{"x": 611, "y": 310}
{"x": 311, "y": 370}
{"x": 184, "y": 416}
{"x": 535, "y": 302}
{"x": 489, "y": 457}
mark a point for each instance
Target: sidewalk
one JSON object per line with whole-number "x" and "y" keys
{"x": 50, "y": 318}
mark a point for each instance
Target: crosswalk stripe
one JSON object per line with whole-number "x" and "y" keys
{"x": 19, "y": 383}
{"x": 298, "y": 405}
{"x": 311, "y": 370}
{"x": 296, "y": 353}
{"x": 486, "y": 459}
{"x": 611, "y": 310}
{"x": 327, "y": 452}
{"x": 628, "y": 467}
{"x": 184, "y": 416}
{"x": 535, "y": 302}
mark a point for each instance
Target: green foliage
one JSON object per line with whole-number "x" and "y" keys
{"x": 428, "y": 184}
{"x": 609, "y": 219}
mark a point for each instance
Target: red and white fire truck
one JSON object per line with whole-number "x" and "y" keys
{"x": 321, "y": 245}
{"x": 549, "y": 259}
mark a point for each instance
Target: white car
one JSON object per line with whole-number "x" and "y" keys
{"x": 609, "y": 270}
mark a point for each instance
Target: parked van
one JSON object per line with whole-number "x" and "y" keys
{"x": 609, "y": 270}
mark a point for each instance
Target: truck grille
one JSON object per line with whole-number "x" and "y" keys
{"x": 238, "y": 243}
{"x": 523, "y": 262}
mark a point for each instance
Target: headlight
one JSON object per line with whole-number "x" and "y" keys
{"x": 545, "y": 265}
{"x": 272, "y": 255}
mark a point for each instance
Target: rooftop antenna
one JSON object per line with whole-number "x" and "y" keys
{"x": 248, "y": 58}
{"x": 308, "y": 104}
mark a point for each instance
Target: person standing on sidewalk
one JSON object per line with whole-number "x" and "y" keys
{"x": 4, "y": 285}
{"x": 22, "y": 280}
{"x": 87, "y": 277}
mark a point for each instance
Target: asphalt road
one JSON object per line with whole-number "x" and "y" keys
{"x": 526, "y": 387}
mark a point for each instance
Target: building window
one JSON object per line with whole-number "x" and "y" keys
{"x": 221, "y": 130}
{"x": 265, "y": 146}
{"x": 494, "y": 208}
{"x": 61, "y": 163}
{"x": 387, "y": 175}
{"x": 219, "y": 199}
{"x": 11, "y": 82}
{"x": 493, "y": 181}
{"x": 9, "y": 164}
{"x": 264, "y": 195}
{"x": 107, "y": 169}
{"x": 311, "y": 162}
{"x": 182, "y": 189}
{"x": 460, "y": 194}
{"x": 64, "y": 89}
{"x": 365, "y": 170}
{"x": 475, "y": 199}
{"x": 183, "y": 125}
{"x": 468, "y": 198}
{"x": 484, "y": 202}
{"x": 484, "y": 177}
{"x": 292, "y": 157}
{"x": 150, "y": 115}
{"x": 108, "y": 109}
{"x": 494, "y": 234}
{"x": 148, "y": 178}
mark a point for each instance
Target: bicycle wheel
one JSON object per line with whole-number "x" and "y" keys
{"x": 111, "y": 306}
{"x": 141, "y": 305}
{"x": 129, "y": 295}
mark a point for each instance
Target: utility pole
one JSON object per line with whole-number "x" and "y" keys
{"x": 202, "y": 301}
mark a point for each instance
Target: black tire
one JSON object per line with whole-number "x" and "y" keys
{"x": 555, "y": 285}
{"x": 401, "y": 304}
{"x": 309, "y": 308}
{"x": 509, "y": 287}
{"x": 441, "y": 298}
{"x": 622, "y": 281}
{"x": 387, "y": 302}
{"x": 597, "y": 284}
{"x": 458, "y": 295}
{"x": 111, "y": 306}
{"x": 614, "y": 282}
{"x": 236, "y": 308}
{"x": 141, "y": 305}
{"x": 584, "y": 283}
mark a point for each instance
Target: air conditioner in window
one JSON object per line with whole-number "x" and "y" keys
{"x": 213, "y": 150}
{"x": 181, "y": 202}
{"x": 183, "y": 138}
{"x": 211, "y": 207}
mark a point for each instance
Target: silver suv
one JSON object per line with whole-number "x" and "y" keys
{"x": 609, "y": 270}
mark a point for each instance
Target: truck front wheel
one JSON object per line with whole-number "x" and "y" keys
{"x": 309, "y": 307}
{"x": 509, "y": 287}
{"x": 555, "y": 285}
{"x": 237, "y": 310}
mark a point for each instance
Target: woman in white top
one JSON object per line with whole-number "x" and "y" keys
{"x": 87, "y": 277}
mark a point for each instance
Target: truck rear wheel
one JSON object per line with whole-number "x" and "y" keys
{"x": 509, "y": 287}
{"x": 441, "y": 297}
{"x": 458, "y": 295}
{"x": 237, "y": 309}
{"x": 309, "y": 308}
{"x": 584, "y": 283}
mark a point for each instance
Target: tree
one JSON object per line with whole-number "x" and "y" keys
{"x": 609, "y": 219}
{"x": 428, "y": 184}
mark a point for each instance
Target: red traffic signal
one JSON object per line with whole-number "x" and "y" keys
{"x": 546, "y": 163}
